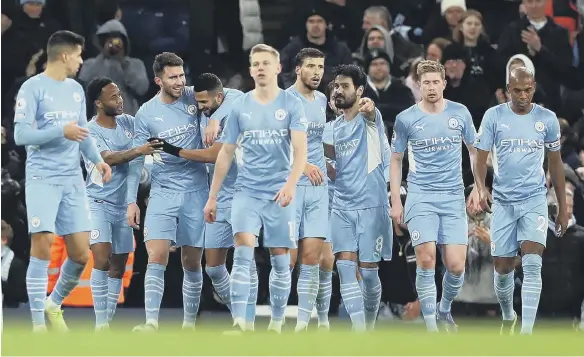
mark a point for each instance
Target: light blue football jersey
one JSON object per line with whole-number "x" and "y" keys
{"x": 43, "y": 107}
{"x": 518, "y": 143}
{"x": 225, "y": 194}
{"x": 359, "y": 156}
{"x": 263, "y": 132}
{"x": 434, "y": 146}
{"x": 178, "y": 124}
{"x": 315, "y": 111}
{"x": 111, "y": 139}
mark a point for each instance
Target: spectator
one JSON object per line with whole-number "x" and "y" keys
{"x": 501, "y": 94}
{"x": 390, "y": 95}
{"x": 569, "y": 141}
{"x": 440, "y": 25}
{"x": 378, "y": 35}
{"x": 435, "y": 49}
{"x": 461, "y": 87}
{"x": 545, "y": 42}
{"x": 316, "y": 36}
{"x": 572, "y": 76}
{"x": 115, "y": 62}
{"x": 470, "y": 33}
{"x": 25, "y": 32}
{"x": 413, "y": 81}
{"x": 13, "y": 271}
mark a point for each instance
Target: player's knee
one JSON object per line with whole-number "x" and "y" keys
{"x": 532, "y": 248}
{"x": 81, "y": 257}
{"x": 117, "y": 266}
{"x": 191, "y": 261}
{"x": 456, "y": 268}
{"x": 327, "y": 262}
{"x": 504, "y": 265}
{"x": 101, "y": 262}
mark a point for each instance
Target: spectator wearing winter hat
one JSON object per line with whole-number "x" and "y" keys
{"x": 316, "y": 36}
{"x": 544, "y": 42}
{"x": 442, "y": 23}
{"x": 461, "y": 87}
{"x": 390, "y": 95}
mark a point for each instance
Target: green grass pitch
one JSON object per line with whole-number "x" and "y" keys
{"x": 550, "y": 339}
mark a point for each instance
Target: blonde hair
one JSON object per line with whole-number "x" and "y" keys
{"x": 264, "y": 48}
{"x": 428, "y": 66}
{"x": 457, "y": 35}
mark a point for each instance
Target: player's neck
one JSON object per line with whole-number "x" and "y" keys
{"x": 267, "y": 93}
{"x": 55, "y": 71}
{"x": 304, "y": 90}
{"x": 165, "y": 98}
{"x": 105, "y": 121}
{"x": 351, "y": 113}
{"x": 519, "y": 110}
{"x": 432, "y": 108}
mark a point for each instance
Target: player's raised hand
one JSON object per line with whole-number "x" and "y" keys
{"x": 366, "y": 105}
{"x": 133, "y": 215}
{"x": 211, "y": 209}
{"x": 285, "y": 195}
{"x": 562, "y": 223}
{"x": 211, "y": 132}
{"x": 105, "y": 170}
{"x": 313, "y": 173}
{"x": 74, "y": 132}
{"x": 397, "y": 212}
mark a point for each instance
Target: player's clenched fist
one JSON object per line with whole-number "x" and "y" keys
{"x": 313, "y": 173}
{"x": 74, "y": 132}
{"x": 211, "y": 209}
{"x": 285, "y": 195}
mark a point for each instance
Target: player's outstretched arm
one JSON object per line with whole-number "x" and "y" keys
{"x": 114, "y": 158}
{"x": 222, "y": 166}
{"x": 208, "y": 155}
{"x": 141, "y": 134}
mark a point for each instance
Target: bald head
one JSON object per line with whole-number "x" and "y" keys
{"x": 521, "y": 88}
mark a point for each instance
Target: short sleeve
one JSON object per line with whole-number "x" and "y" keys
{"x": 298, "y": 119}
{"x": 486, "y": 136}
{"x": 100, "y": 141}
{"x": 469, "y": 132}
{"x": 231, "y": 129}
{"x": 400, "y": 136}
{"x": 553, "y": 134}
{"x": 141, "y": 131}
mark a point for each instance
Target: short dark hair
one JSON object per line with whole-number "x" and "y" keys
{"x": 61, "y": 40}
{"x": 165, "y": 59}
{"x": 353, "y": 71}
{"x": 307, "y": 53}
{"x": 207, "y": 82}
{"x": 329, "y": 89}
{"x": 7, "y": 232}
{"x": 95, "y": 87}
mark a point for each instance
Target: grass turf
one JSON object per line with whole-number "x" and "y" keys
{"x": 475, "y": 338}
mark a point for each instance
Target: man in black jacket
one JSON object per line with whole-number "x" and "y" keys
{"x": 316, "y": 36}
{"x": 545, "y": 42}
{"x": 13, "y": 272}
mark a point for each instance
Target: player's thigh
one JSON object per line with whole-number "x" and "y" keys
{"x": 299, "y": 209}
{"x": 374, "y": 236}
{"x": 344, "y": 231}
{"x": 219, "y": 234}
{"x": 421, "y": 216}
{"x": 122, "y": 234}
{"x": 245, "y": 217}
{"x": 279, "y": 225}
{"x": 503, "y": 231}
{"x": 162, "y": 213}
{"x": 532, "y": 226}
{"x": 315, "y": 222}
{"x": 191, "y": 222}
{"x": 42, "y": 206}
{"x": 74, "y": 215}
{"x": 101, "y": 224}
{"x": 453, "y": 227}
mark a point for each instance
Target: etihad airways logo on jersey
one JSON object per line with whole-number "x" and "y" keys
{"x": 178, "y": 133}
{"x": 315, "y": 129}
{"x": 522, "y": 145}
{"x": 59, "y": 115}
{"x": 346, "y": 148}
{"x": 265, "y": 137}
{"x": 437, "y": 144}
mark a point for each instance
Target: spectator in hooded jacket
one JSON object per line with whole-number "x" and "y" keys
{"x": 390, "y": 95}
{"x": 484, "y": 62}
{"x": 316, "y": 36}
{"x": 544, "y": 42}
{"x": 115, "y": 62}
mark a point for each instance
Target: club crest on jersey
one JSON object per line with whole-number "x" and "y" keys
{"x": 94, "y": 234}
{"x": 280, "y": 114}
{"x": 415, "y": 236}
{"x": 21, "y": 103}
{"x": 192, "y": 109}
{"x": 493, "y": 247}
{"x": 539, "y": 126}
{"x": 35, "y": 222}
{"x": 145, "y": 231}
{"x": 453, "y": 123}
{"x": 77, "y": 97}
{"x": 128, "y": 134}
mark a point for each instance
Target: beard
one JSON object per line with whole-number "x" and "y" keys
{"x": 308, "y": 83}
{"x": 111, "y": 112}
{"x": 345, "y": 102}
{"x": 168, "y": 91}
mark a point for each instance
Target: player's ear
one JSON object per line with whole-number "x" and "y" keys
{"x": 279, "y": 68}
{"x": 158, "y": 81}
{"x": 297, "y": 70}
{"x": 360, "y": 91}
{"x": 219, "y": 97}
